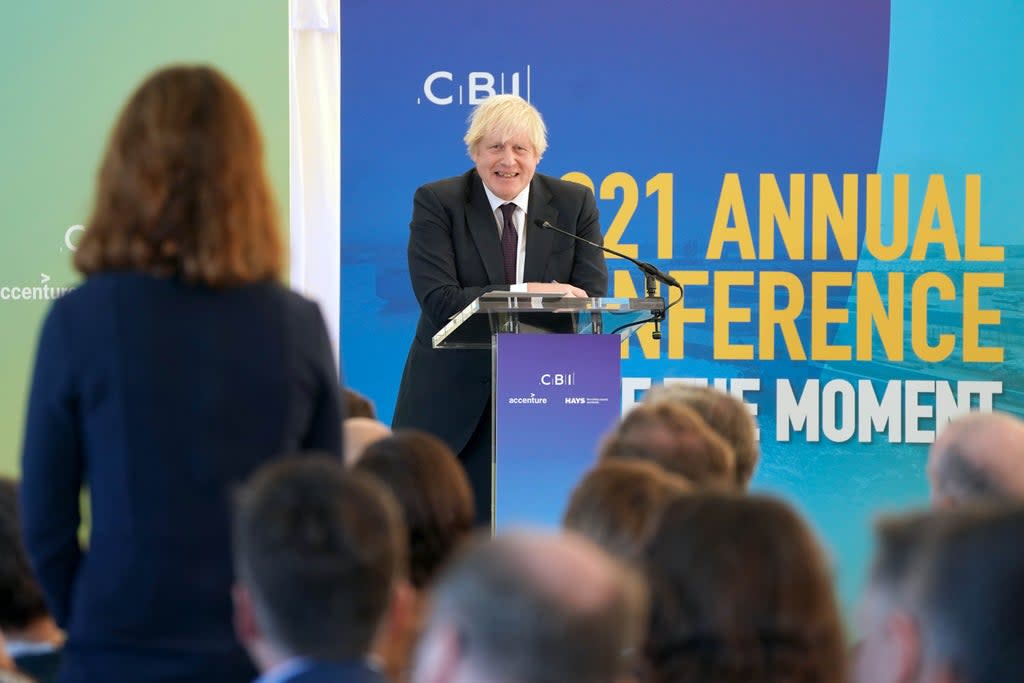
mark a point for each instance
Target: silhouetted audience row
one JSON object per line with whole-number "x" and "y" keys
{"x": 661, "y": 579}
{"x": 372, "y": 572}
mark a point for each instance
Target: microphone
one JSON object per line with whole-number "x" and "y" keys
{"x": 647, "y": 268}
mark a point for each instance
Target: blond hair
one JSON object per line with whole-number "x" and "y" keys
{"x": 505, "y": 116}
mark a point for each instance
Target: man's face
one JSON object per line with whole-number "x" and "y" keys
{"x": 505, "y": 165}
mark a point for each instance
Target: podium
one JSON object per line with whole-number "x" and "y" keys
{"x": 556, "y": 389}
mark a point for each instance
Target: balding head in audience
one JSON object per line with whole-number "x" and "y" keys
{"x": 359, "y": 433}
{"x": 319, "y": 557}
{"x": 944, "y": 601}
{"x": 618, "y": 503}
{"x": 978, "y": 457}
{"x": 726, "y": 415}
{"x": 532, "y": 608}
{"x": 675, "y": 437}
{"x": 740, "y": 592}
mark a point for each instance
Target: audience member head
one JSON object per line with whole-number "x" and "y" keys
{"x": 432, "y": 491}
{"x": 740, "y": 591}
{"x": 357, "y": 405}
{"x": 434, "y": 495}
{"x": 726, "y": 415}
{"x": 358, "y": 433}
{"x": 532, "y": 608}
{"x": 182, "y": 189}
{"x": 676, "y": 438}
{"x": 943, "y": 602}
{"x": 618, "y": 503}
{"x": 23, "y": 612}
{"x": 977, "y": 457}
{"x": 319, "y": 552}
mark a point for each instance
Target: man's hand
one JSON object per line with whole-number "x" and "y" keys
{"x": 556, "y": 287}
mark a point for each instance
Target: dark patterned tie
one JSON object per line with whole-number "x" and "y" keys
{"x": 509, "y": 243}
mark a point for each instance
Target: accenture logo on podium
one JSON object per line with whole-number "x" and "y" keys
{"x": 532, "y": 400}
{"x": 444, "y": 88}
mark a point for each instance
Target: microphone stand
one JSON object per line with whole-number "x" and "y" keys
{"x": 651, "y": 273}
{"x": 658, "y": 316}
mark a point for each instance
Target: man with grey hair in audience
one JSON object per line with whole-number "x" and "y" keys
{"x": 979, "y": 456}
{"x": 528, "y": 607}
{"x": 943, "y": 602}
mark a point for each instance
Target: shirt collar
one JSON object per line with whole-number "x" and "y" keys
{"x": 522, "y": 200}
{"x": 289, "y": 668}
{"x": 285, "y": 670}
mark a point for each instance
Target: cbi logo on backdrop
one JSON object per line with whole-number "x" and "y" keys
{"x": 444, "y": 88}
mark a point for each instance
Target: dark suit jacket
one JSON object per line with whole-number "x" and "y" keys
{"x": 41, "y": 667}
{"x": 160, "y": 397}
{"x": 454, "y": 257}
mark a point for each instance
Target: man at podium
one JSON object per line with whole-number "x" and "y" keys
{"x": 475, "y": 233}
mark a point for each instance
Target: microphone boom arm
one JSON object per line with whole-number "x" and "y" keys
{"x": 651, "y": 273}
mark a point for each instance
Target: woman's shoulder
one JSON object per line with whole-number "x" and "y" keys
{"x": 132, "y": 291}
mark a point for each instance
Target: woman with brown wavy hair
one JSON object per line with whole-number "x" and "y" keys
{"x": 740, "y": 592}
{"x": 176, "y": 368}
{"x": 437, "y": 504}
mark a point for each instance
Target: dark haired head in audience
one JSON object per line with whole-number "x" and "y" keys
{"x": 431, "y": 489}
{"x": 618, "y": 503}
{"x": 726, "y": 415}
{"x": 182, "y": 189}
{"x": 33, "y": 639}
{"x": 676, "y": 438}
{"x": 944, "y": 601}
{"x": 978, "y": 457}
{"x": 532, "y": 608}
{"x": 319, "y": 555}
{"x": 357, "y": 405}
{"x": 740, "y": 592}
{"x": 433, "y": 492}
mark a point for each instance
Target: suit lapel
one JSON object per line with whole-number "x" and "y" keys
{"x": 538, "y": 244}
{"x": 484, "y": 229}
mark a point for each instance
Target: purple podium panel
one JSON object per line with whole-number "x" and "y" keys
{"x": 555, "y": 397}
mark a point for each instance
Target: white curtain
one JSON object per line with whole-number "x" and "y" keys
{"x": 314, "y": 94}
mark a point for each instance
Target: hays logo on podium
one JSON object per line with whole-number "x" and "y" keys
{"x": 444, "y": 88}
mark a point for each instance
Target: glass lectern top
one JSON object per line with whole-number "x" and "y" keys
{"x": 538, "y": 313}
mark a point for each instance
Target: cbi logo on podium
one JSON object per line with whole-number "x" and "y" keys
{"x": 558, "y": 379}
{"x": 444, "y": 88}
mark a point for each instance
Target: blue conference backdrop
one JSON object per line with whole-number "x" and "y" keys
{"x": 834, "y": 184}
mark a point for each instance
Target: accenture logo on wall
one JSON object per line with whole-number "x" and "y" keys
{"x": 444, "y": 88}
{"x": 43, "y": 290}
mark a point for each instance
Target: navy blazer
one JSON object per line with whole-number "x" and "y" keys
{"x": 159, "y": 397}
{"x": 454, "y": 257}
